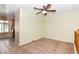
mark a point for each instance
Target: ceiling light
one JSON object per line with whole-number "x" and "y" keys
{"x": 44, "y": 12}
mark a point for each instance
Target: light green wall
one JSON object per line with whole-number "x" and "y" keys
{"x": 30, "y": 26}
{"x": 62, "y": 26}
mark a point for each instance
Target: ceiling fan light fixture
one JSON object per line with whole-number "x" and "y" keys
{"x": 44, "y": 12}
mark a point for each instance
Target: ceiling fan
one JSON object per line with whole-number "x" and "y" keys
{"x": 45, "y": 9}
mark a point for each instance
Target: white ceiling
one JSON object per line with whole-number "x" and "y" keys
{"x": 11, "y": 8}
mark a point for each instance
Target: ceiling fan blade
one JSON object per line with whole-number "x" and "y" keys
{"x": 39, "y": 12}
{"x": 37, "y": 8}
{"x": 51, "y": 10}
{"x": 48, "y": 6}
